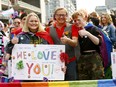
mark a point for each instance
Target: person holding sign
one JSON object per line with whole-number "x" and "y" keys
{"x": 32, "y": 33}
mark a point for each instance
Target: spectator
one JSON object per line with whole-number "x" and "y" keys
{"x": 94, "y": 18}
{"x": 3, "y": 41}
{"x": 23, "y": 18}
{"x": 108, "y": 27}
{"x": 33, "y": 33}
{"x": 16, "y": 27}
{"x": 90, "y": 66}
{"x": 63, "y": 34}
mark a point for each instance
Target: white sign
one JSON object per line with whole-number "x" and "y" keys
{"x": 8, "y": 12}
{"x": 113, "y": 60}
{"x": 31, "y": 62}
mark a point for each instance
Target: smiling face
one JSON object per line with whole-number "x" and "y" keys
{"x": 61, "y": 16}
{"x": 33, "y": 24}
{"x": 17, "y": 23}
{"x": 106, "y": 19}
{"x": 79, "y": 21}
{"x": 103, "y": 19}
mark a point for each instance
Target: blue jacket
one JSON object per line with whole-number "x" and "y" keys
{"x": 111, "y": 32}
{"x": 26, "y": 38}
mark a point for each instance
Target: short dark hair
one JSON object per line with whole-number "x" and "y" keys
{"x": 5, "y": 24}
{"x": 17, "y": 17}
{"x": 23, "y": 15}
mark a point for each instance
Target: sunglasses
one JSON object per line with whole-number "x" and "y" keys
{"x": 17, "y": 22}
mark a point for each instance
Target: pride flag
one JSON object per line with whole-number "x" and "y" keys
{"x": 81, "y": 83}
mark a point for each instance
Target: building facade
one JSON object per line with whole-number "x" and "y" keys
{"x": 44, "y": 8}
{"x": 102, "y": 9}
{"x": 26, "y": 6}
{"x": 74, "y": 3}
{"x": 110, "y": 4}
{"x": 51, "y": 5}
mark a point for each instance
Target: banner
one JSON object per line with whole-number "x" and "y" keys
{"x": 38, "y": 62}
{"x": 113, "y": 60}
{"x": 8, "y": 12}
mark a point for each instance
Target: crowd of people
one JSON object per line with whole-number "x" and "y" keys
{"x": 83, "y": 37}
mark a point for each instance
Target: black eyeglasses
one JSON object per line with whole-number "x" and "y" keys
{"x": 59, "y": 15}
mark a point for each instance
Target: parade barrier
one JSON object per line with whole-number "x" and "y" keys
{"x": 81, "y": 83}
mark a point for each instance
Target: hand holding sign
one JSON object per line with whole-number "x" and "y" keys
{"x": 45, "y": 64}
{"x": 7, "y": 56}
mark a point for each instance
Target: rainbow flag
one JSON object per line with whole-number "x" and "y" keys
{"x": 81, "y": 83}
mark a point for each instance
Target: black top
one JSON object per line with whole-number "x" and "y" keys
{"x": 86, "y": 44}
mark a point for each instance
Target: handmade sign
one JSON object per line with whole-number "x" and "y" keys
{"x": 31, "y": 62}
{"x": 7, "y": 13}
{"x": 113, "y": 60}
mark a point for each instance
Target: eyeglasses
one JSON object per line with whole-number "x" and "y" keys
{"x": 16, "y": 22}
{"x": 59, "y": 15}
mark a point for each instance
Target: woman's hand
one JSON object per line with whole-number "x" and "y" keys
{"x": 7, "y": 56}
{"x": 64, "y": 69}
{"x": 14, "y": 40}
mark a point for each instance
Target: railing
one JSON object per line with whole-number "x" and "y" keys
{"x": 28, "y": 6}
{"x": 5, "y": 2}
{"x": 22, "y": 4}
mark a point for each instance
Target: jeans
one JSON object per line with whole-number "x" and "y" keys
{"x": 71, "y": 72}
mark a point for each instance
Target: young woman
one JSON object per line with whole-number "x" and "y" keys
{"x": 108, "y": 27}
{"x": 33, "y": 33}
{"x": 90, "y": 65}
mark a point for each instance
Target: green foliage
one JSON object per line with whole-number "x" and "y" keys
{"x": 20, "y": 65}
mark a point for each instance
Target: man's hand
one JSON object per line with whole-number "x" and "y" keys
{"x": 64, "y": 39}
